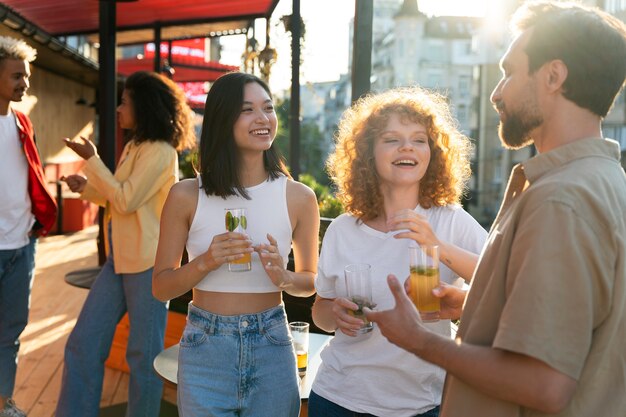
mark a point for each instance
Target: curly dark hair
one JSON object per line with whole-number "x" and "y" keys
{"x": 161, "y": 110}
{"x": 352, "y": 164}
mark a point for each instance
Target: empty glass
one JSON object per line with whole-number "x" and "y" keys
{"x": 359, "y": 289}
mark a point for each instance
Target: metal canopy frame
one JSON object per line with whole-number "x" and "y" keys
{"x": 81, "y": 17}
{"x": 105, "y": 18}
{"x": 163, "y": 20}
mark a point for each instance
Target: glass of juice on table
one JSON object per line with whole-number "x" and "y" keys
{"x": 237, "y": 221}
{"x": 300, "y": 334}
{"x": 424, "y": 267}
{"x": 359, "y": 289}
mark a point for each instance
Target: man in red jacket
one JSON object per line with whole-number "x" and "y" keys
{"x": 26, "y": 211}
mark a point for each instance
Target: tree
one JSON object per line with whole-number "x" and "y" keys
{"x": 312, "y": 153}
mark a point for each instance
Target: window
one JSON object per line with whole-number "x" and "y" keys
{"x": 465, "y": 82}
{"x": 614, "y": 6}
{"x": 434, "y": 80}
{"x": 461, "y": 114}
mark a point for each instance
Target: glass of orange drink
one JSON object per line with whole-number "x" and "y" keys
{"x": 300, "y": 334}
{"x": 237, "y": 221}
{"x": 424, "y": 269}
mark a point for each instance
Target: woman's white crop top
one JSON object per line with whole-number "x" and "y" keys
{"x": 266, "y": 213}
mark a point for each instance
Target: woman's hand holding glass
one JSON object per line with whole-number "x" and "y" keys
{"x": 346, "y": 323}
{"x": 451, "y": 298}
{"x": 413, "y": 226}
{"x": 224, "y": 248}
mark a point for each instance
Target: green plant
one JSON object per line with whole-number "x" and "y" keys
{"x": 330, "y": 206}
{"x": 320, "y": 190}
{"x": 188, "y": 162}
{"x": 313, "y": 151}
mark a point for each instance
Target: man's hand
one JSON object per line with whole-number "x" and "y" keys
{"x": 85, "y": 150}
{"x": 452, "y": 299}
{"x": 401, "y": 325}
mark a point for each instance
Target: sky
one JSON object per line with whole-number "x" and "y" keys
{"x": 326, "y": 46}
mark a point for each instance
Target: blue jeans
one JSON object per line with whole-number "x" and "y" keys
{"x": 321, "y": 407}
{"x": 237, "y": 366}
{"x": 110, "y": 296}
{"x": 16, "y": 280}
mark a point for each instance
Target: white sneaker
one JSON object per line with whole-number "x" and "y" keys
{"x": 11, "y": 410}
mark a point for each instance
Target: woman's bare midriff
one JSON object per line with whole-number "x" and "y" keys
{"x": 230, "y": 304}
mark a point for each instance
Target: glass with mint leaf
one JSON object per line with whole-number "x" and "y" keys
{"x": 236, "y": 220}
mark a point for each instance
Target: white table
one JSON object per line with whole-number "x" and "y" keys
{"x": 317, "y": 342}
{"x": 166, "y": 363}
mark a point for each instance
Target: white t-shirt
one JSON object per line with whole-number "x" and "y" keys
{"x": 16, "y": 218}
{"x": 367, "y": 373}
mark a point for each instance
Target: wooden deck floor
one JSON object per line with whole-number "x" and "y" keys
{"x": 54, "y": 308}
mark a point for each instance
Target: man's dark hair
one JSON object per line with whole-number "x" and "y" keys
{"x": 160, "y": 109}
{"x": 590, "y": 42}
{"x": 219, "y": 158}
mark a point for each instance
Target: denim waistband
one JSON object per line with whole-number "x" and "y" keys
{"x": 244, "y": 323}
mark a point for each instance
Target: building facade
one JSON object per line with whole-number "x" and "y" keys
{"x": 459, "y": 57}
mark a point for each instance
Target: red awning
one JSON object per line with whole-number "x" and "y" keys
{"x": 44, "y": 20}
{"x": 59, "y": 17}
{"x": 209, "y": 71}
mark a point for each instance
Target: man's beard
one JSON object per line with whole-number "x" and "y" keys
{"x": 515, "y": 130}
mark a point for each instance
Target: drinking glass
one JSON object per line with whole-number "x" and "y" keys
{"x": 300, "y": 334}
{"x": 237, "y": 221}
{"x": 359, "y": 289}
{"x": 424, "y": 268}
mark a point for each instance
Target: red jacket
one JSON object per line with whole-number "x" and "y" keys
{"x": 43, "y": 205}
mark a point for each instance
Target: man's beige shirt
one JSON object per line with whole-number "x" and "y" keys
{"x": 134, "y": 197}
{"x": 551, "y": 282}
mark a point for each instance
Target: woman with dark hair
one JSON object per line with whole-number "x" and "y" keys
{"x": 236, "y": 356}
{"x": 401, "y": 166}
{"x": 157, "y": 121}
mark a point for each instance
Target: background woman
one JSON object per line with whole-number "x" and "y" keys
{"x": 157, "y": 120}
{"x": 400, "y": 165}
{"x": 236, "y": 357}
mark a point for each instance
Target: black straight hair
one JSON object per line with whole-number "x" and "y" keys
{"x": 218, "y": 151}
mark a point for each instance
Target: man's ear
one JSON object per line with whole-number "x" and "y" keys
{"x": 556, "y": 74}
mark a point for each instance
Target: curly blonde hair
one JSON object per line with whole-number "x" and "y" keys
{"x": 352, "y": 166}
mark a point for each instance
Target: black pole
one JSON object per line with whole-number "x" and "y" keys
{"x": 362, "y": 48}
{"x": 170, "y": 69}
{"x": 157, "y": 48}
{"x": 107, "y": 94}
{"x": 294, "y": 120}
{"x": 107, "y": 102}
{"x": 59, "y": 207}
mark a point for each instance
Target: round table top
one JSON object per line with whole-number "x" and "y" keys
{"x": 82, "y": 278}
{"x": 166, "y": 363}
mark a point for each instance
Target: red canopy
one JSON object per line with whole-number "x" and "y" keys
{"x": 63, "y": 17}
{"x": 136, "y": 22}
{"x": 209, "y": 71}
